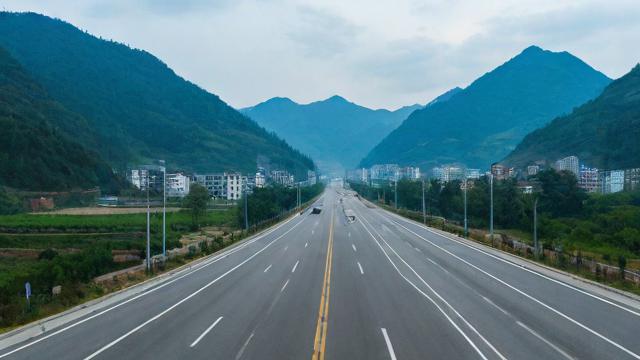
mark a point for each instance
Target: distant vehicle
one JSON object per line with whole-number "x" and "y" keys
{"x": 316, "y": 210}
{"x": 351, "y": 216}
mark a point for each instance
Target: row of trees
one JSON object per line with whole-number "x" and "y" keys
{"x": 568, "y": 217}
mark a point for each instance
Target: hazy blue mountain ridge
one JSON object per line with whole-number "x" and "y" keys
{"x": 337, "y": 133}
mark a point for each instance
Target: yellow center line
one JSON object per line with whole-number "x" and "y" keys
{"x": 320, "y": 340}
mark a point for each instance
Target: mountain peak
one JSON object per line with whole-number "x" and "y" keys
{"x": 337, "y": 98}
{"x": 280, "y": 100}
{"x": 533, "y": 49}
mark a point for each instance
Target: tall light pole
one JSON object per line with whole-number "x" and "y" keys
{"x": 535, "y": 227}
{"x": 466, "y": 227}
{"x": 424, "y": 208}
{"x": 164, "y": 209}
{"x": 148, "y": 227}
{"x": 246, "y": 211}
{"x": 491, "y": 211}
{"x": 395, "y": 191}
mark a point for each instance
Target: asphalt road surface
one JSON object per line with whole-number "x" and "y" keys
{"x": 380, "y": 287}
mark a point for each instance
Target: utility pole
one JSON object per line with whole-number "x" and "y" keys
{"x": 466, "y": 226}
{"x": 164, "y": 209}
{"x": 424, "y": 208}
{"x": 395, "y": 191}
{"x": 148, "y": 227}
{"x": 535, "y": 228}
{"x": 246, "y": 211}
{"x": 491, "y": 212}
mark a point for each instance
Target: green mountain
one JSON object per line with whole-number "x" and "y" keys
{"x": 603, "y": 133}
{"x": 137, "y": 107}
{"x": 35, "y": 151}
{"x": 486, "y": 120}
{"x": 335, "y": 132}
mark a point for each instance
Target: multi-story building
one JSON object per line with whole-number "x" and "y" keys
{"x": 448, "y": 173}
{"x": 409, "y": 172}
{"x": 611, "y": 181}
{"x": 384, "y": 172}
{"x": 214, "y": 183}
{"x": 234, "y": 185}
{"x": 147, "y": 176}
{"x": 588, "y": 179}
{"x": 472, "y": 173}
{"x": 177, "y": 185}
{"x": 311, "y": 177}
{"x": 532, "y": 170}
{"x": 499, "y": 171}
{"x": 282, "y": 177}
{"x": 632, "y": 179}
{"x": 569, "y": 163}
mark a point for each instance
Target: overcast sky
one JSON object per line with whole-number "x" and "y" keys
{"x": 381, "y": 54}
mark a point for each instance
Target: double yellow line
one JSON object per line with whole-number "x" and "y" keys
{"x": 320, "y": 340}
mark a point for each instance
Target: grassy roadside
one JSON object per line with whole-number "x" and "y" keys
{"x": 560, "y": 262}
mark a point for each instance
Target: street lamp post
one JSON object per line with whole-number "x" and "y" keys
{"x": 395, "y": 192}
{"x": 466, "y": 227}
{"x": 148, "y": 227}
{"x": 164, "y": 209}
{"x": 424, "y": 208}
{"x": 535, "y": 228}
{"x": 246, "y": 211}
{"x": 491, "y": 211}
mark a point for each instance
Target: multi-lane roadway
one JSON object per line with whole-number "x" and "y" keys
{"x": 325, "y": 286}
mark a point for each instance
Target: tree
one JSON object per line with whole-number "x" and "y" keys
{"x": 197, "y": 201}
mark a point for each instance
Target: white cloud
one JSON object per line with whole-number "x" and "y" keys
{"x": 384, "y": 53}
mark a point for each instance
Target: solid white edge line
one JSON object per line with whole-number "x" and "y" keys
{"x": 543, "y": 304}
{"x": 360, "y": 266}
{"x": 295, "y": 266}
{"x": 392, "y": 353}
{"x": 473, "y": 345}
{"x": 549, "y": 343}
{"x": 109, "y": 345}
{"x": 268, "y": 267}
{"x": 493, "y": 348}
{"x": 509, "y": 262}
{"x": 205, "y": 332}
{"x": 198, "y": 267}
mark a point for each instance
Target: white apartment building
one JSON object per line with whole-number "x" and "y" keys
{"x": 384, "y": 172}
{"x": 260, "y": 180}
{"x": 177, "y": 185}
{"x": 282, "y": 177}
{"x": 448, "y": 173}
{"x": 588, "y": 179}
{"x": 472, "y": 174}
{"x": 570, "y": 163}
{"x": 214, "y": 183}
{"x": 611, "y": 181}
{"x": 235, "y": 183}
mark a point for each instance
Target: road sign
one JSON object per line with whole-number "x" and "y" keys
{"x": 27, "y": 288}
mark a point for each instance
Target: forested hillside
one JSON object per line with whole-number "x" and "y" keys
{"x": 603, "y": 133}
{"x": 485, "y": 121}
{"x": 137, "y": 108}
{"x": 35, "y": 154}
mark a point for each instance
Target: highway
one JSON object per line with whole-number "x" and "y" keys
{"x": 320, "y": 286}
